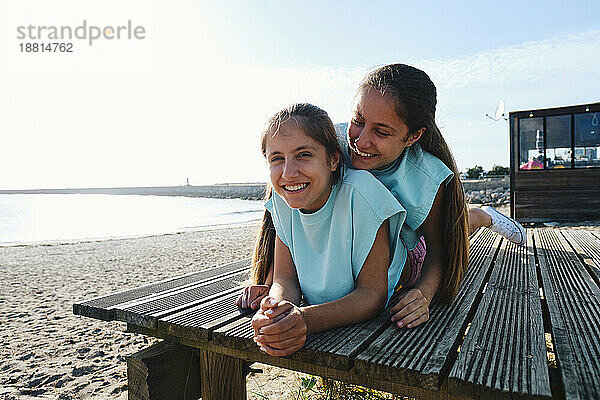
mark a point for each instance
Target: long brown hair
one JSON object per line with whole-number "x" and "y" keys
{"x": 316, "y": 124}
{"x": 415, "y": 97}
{"x": 264, "y": 248}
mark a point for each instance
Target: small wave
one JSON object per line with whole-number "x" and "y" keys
{"x": 241, "y": 212}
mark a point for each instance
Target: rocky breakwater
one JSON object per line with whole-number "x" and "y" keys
{"x": 492, "y": 192}
{"x": 247, "y": 191}
{"x": 477, "y": 191}
{"x": 495, "y": 197}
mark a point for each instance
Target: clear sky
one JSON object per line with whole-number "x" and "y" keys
{"x": 189, "y": 99}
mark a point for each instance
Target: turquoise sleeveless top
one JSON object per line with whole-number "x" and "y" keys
{"x": 330, "y": 246}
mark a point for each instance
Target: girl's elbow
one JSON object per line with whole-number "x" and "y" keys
{"x": 373, "y": 301}
{"x": 382, "y": 302}
{"x": 379, "y": 302}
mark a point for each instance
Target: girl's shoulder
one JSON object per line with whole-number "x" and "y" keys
{"x": 416, "y": 183}
{"x": 361, "y": 181}
{"x": 360, "y": 189}
{"x": 353, "y": 176}
{"x": 425, "y": 162}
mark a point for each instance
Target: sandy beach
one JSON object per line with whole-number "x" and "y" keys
{"x": 49, "y": 353}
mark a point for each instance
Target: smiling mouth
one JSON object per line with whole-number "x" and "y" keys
{"x": 295, "y": 188}
{"x": 361, "y": 153}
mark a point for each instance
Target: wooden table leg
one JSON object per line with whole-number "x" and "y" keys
{"x": 163, "y": 370}
{"x": 221, "y": 377}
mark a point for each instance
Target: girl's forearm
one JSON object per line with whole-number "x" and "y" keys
{"x": 269, "y": 278}
{"x": 434, "y": 264}
{"x": 431, "y": 275}
{"x": 286, "y": 289}
{"x": 359, "y": 305}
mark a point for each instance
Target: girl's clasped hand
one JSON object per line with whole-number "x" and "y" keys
{"x": 279, "y": 327}
{"x": 251, "y": 296}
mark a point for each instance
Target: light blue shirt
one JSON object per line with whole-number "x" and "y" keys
{"x": 330, "y": 246}
{"x": 414, "y": 179}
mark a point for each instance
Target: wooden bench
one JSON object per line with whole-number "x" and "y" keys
{"x": 517, "y": 309}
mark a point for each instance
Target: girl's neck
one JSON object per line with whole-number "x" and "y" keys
{"x": 320, "y": 207}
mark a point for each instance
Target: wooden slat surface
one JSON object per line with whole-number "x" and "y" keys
{"x": 197, "y": 323}
{"x": 422, "y": 356}
{"x": 102, "y": 307}
{"x": 574, "y": 306}
{"x": 145, "y": 312}
{"x": 587, "y": 247}
{"x": 504, "y": 352}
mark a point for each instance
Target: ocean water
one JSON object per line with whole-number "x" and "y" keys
{"x": 40, "y": 218}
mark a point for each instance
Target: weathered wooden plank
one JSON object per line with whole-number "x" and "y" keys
{"x": 146, "y": 311}
{"x": 197, "y": 323}
{"x": 504, "y": 352}
{"x": 102, "y": 307}
{"x": 335, "y": 348}
{"x": 422, "y": 356}
{"x": 163, "y": 370}
{"x": 557, "y": 179}
{"x": 549, "y": 194}
{"x": 253, "y": 354}
{"x": 556, "y": 204}
{"x": 222, "y": 377}
{"x": 574, "y": 306}
{"x": 587, "y": 247}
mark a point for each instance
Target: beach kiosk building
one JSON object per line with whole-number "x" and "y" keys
{"x": 555, "y": 163}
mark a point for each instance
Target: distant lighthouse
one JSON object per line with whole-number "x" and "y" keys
{"x": 187, "y": 181}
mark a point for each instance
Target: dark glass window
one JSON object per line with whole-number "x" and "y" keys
{"x": 587, "y": 140}
{"x": 558, "y": 141}
{"x": 531, "y": 143}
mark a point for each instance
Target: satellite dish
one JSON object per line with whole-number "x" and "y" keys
{"x": 499, "y": 113}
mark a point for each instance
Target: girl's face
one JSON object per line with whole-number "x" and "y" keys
{"x": 300, "y": 168}
{"x": 376, "y": 134}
